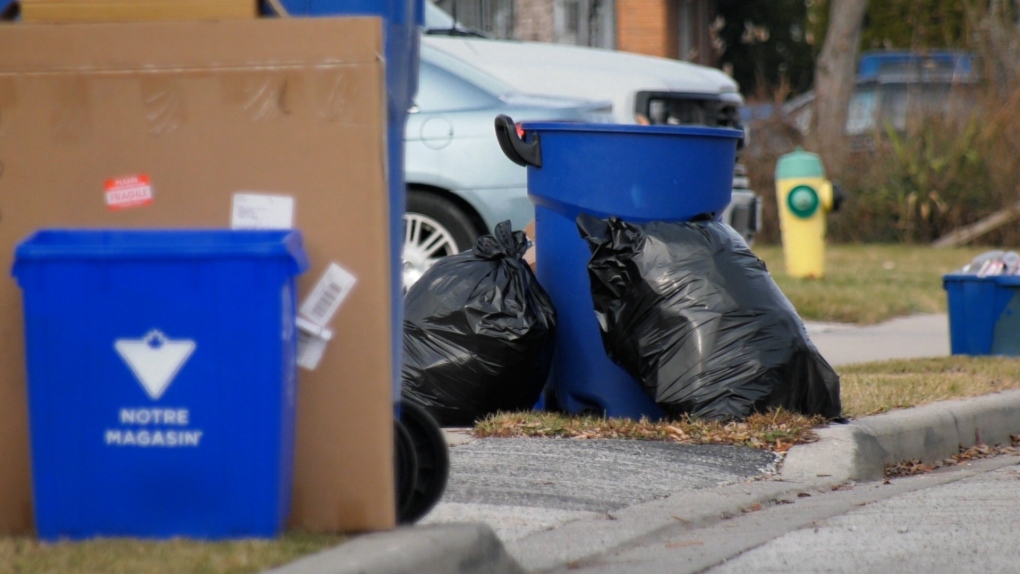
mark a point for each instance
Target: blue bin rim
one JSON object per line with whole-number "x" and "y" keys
{"x": 111, "y": 244}
{"x": 728, "y": 133}
{"x": 1008, "y": 280}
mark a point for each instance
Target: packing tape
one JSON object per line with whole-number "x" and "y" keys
{"x": 73, "y": 118}
{"x": 263, "y": 95}
{"x": 164, "y": 103}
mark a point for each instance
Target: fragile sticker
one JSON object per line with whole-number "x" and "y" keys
{"x": 262, "y": 211}
{"x": 128, "y": 191}
{"x": 327, "y": 296}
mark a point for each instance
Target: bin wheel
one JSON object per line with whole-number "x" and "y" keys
{"x": 406, "y": 465}
{"x": 433, "y": 459}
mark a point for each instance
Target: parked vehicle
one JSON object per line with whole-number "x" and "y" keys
{"x": 460, "y": 185}
{"x": 891, "y": 85}
{"x": 642, "y": 89}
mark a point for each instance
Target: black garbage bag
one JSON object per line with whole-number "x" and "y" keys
{"x": 692, "y": 314}
{"x": 478, "y": 332}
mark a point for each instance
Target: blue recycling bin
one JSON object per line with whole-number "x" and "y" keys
{"x": 161, "y": 380}
{"x": 402, "y": 21}
{"x": 984, "y": 314}
{"x": 637, "y": 173}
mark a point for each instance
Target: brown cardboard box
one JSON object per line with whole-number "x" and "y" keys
{"x": 205, "y": 110}
{"x": 134, "y": 10}
{"x": 531, "y": 255}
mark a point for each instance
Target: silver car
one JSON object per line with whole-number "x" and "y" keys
{"x": 459, "y": 182}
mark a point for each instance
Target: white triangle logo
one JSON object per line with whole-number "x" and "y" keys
{"x": 154, "y": 359}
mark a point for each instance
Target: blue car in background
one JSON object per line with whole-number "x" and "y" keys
{"x": 891, "y": 85}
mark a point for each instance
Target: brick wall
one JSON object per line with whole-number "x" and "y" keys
{"x": 643, "y": 26}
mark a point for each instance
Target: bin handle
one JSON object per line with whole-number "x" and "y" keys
{"x": 518, "y": 150}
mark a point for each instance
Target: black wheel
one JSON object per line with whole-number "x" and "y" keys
{"x": 406, "y": 466}
{"x": 433, "y": 462}
{"x": 434, "y": 227}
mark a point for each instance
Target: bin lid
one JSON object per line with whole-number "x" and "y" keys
{"x": 799, "y": 163}
{"x": 578, "y": 127}
{"x": 1001, "y": 280}
{"x": 93, "y": 244}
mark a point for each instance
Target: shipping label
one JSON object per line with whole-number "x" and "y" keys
{"x": 262, "y": 211}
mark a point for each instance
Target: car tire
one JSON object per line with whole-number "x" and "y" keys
{"x": 434, "y": 227}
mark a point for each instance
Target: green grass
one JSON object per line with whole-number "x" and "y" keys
{"x": 865, "y": 389}
{"x": 871, "y": 388}
{"x": 128, "y": 556}
{"x": 867, "y": 284}
{"x": 776, "y": 431}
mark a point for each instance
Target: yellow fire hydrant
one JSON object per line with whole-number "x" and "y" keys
{"x": 804, "y": 197}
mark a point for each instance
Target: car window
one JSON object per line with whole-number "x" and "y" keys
{"x": 900, "y": 101}
{"x": 862, "y": 112}
{"x": 435, "y": 18}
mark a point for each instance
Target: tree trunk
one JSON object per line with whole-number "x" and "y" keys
{"x": 834, "y": 80}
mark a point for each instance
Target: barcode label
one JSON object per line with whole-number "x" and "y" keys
{"x": 327, "y": 296}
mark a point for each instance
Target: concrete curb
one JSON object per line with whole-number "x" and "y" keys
{"x": 860, "y": 450}
{"x": 857, "y": 451}
{"x": 434, "y": 549}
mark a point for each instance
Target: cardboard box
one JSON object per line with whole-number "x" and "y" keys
{"x": 135, "y": 10}
{"x": 531, "y": 255}
{"x": 197, "y": 112}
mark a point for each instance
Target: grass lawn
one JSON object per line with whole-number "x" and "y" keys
{"x": 20, "y": 555}
{"x": 867, "y": 284}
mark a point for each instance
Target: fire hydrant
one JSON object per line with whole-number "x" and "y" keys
{"x": 804, "y": 197}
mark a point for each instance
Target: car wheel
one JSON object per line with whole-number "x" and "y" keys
{"x": 434, "y": 227}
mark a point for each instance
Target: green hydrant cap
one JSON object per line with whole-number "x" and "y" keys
{"x": 799, "y": 163}
{"x": 803, "y": 201}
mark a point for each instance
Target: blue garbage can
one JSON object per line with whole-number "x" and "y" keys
{"x": 161, "y": 380}
{"x": 637, "y": 173}
{"x": 402, "y": 20}
{"x": 984, "y": 314}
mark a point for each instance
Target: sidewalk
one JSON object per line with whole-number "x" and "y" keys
{"x": 902, "y": 338}
{"x": 856, "y": 451}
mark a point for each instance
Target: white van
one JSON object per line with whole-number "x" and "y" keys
{"x": 642, "y": 89}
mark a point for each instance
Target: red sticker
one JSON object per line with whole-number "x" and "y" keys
{"x": 128, "y": 191}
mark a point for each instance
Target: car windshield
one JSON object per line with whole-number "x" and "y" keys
{"x": 435, "y": 18}
{"x": 440, "y": 23}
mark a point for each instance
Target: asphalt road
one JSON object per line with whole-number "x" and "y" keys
{"x": 962, "y": 519}
{"x": 520, "y": 486}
